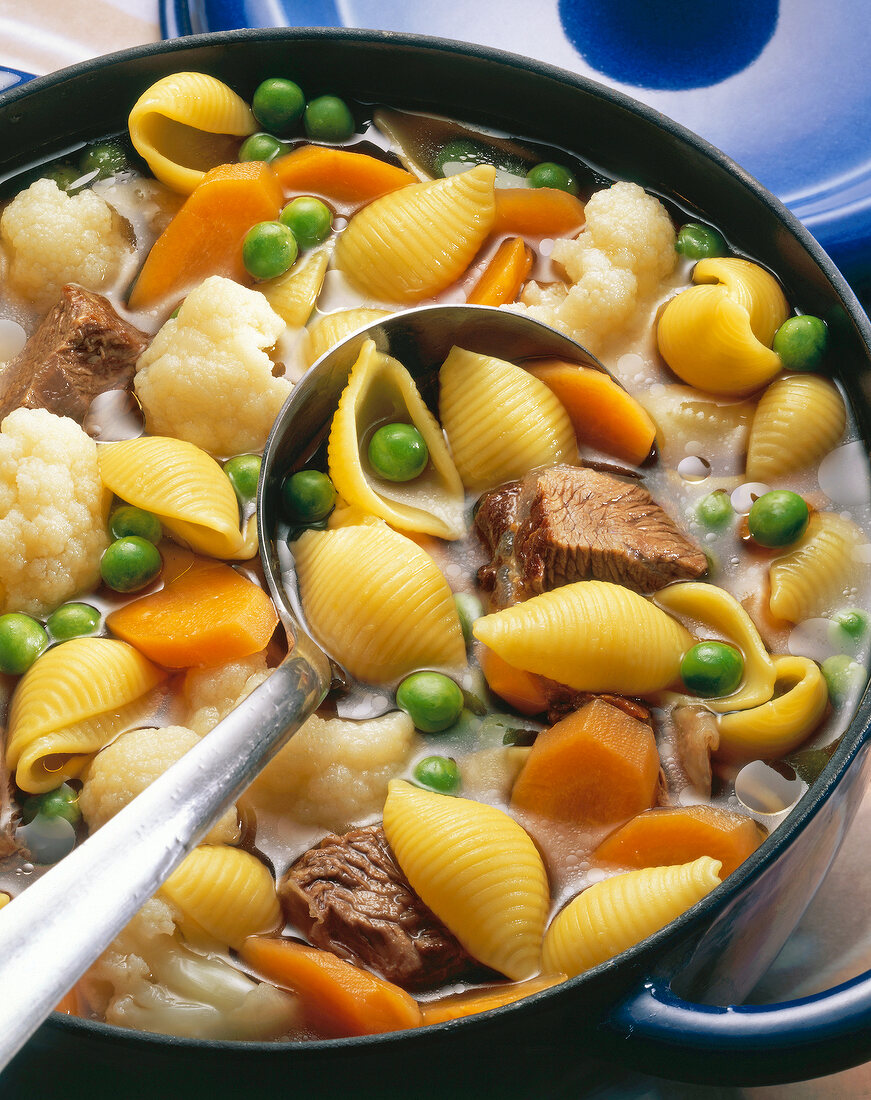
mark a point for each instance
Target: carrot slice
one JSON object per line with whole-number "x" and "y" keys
{"x": 207, "y": 616}
{"x": 504, "y": 275}
{"x": 522, "y": 690}
{"x": 459, "y": 1005}
{"x": 604, "y": 415}
{"x": 205, "y": 236}
{"x": 537, "y": 212}
{"x": 338, "y": 999}
{"x": 339, "y": 174}
{"x": 69, "y": 1003}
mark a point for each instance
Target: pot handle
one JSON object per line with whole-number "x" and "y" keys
{"x": 659, "y": 1031}
{"x": 11, "y": 78}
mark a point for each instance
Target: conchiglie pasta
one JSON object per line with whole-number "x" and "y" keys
{"x": 381, "y": 391}
{"x": 413, "y": 243}
{"x": 387, "y": 614}
{"x": 613, "y": 915}
{"x": 293, "y": 295}
{"x": 799, "y": 419}
{"x": 717, "y": 335}
{"x": 330, "y": 329}
{"x": 477, "y": 870}
{"x": 500, "y": 420}
{"x": 74, "y": 700}
{"x": 818, "y": 574}
{"x": 186, "y": 124}
{"x": 225, "y": 893}
{"x": 185, "y": 487}
{"x": 592, "y": 636}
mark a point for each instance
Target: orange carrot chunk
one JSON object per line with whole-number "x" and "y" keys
{"x": 597, "y": 766}
{"x": 69, "y": 1003}
{"x": 205, "y": 236}
{"x": 604, "y": 415}
{"x": 504, "y": 275}
{"x": 522, "y": 690}
{"x": 207, "y": 616}
{"x": 537, "y": 212}
{"x": 338, "y": 999}
{"x": 665, "y": 837}
{"x": 474, "y": 1001}
{"x": 339, "y": 174}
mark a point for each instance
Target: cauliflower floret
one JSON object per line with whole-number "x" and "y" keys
{"x": 205, "y": 378}
{"x": 54, "y": 238}
{"x": 52, "y": 511}
{"x": 625, "y": 251}
{"x": 126, "y": 767}
{"x": 211, "y": 693}
{"x": 151, "y": 980}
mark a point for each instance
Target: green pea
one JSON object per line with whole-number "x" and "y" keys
{"x": 469, "y": 609}
{"x": 439, "y": 773}
{"x": 260, "y": 147}
{"x": 63, "y": 802}
{"x": 244, "y": 473}
{"x": 398, "y": 452}
{"x": 715, "y": 510}
{"x": 432, "y": 700}
{"x": 549, "y": 174}
{"x": 778, "y": 518}
{"x": 269, "y": 249}
{"x": 464, "y": 153}
{"x": 712, "y": 669}
{"x": 107, "y": 158}
{"x": 844, "y": 678}
{"x": 129, "y": 520}
{"x": 73, "y": 620}
{"x": 130, "y": 563}
{"x": 852, "y": 622}
{"x": 22, "y": 639}
{"x": 801, "y": 342}
{"x": 700, "y": 242}
{"x": 309, "y": 219}
{"x": 308, "y": 497}
{"x": 48, "y": 839}
{"x": 278, "y": 104}
{"x": 64, "y": 175}
{"x": 328, "y": 118}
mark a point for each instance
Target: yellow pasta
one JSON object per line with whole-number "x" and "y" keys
{"x": 592, "y": 636}
{"x": 717, "y": 335}
{"x": 414, "y": 242}
{"x": 225, "y": 893}
{"x": 500, "y": 420}
{"x": 186, "y": 124}
{"x": 330, "y": 329}
{"x": 613, "y": 915}
{"x": 185, "y": 487}
{"x": 4, "y": 899}
{"x": 381, "y": 391}
{"x": 477, "y": 870}
{"x": 389, "y": 614}
{"x": 74, "y": 700}
{"x": 818, "y": 574}
{"x": 799, "y": 419}
{"x": 293, "y": 295}
{"x": 781, "y": 724}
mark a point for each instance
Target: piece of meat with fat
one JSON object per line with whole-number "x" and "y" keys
{"x": 82, "y": 348}
{"x": 349, "y": 896}
{"x": 696, "y": 735}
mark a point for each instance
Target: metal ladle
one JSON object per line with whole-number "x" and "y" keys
{"x": 59, "y": 925}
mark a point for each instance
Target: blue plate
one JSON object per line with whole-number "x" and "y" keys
{"x": 783, "y": 88}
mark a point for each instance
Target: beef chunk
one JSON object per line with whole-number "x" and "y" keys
{"x": 349, "y": 896}
{"x": 82, "y": 348}
{"x": 570, "y": 523}
{"x": 563, "y": 700}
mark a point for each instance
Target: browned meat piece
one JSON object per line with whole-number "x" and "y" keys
{"x": 563, "y": 700}
{"x": 349, "y": 896}
{"x": 570, "y": 523}
{"x": 696, "y": 736}
{"x": 82, "y": 348}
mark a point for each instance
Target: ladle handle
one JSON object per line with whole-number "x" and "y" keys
{"x": 59, "y": 925}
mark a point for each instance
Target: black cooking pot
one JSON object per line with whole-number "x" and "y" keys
{"x": 656, "y": 1006}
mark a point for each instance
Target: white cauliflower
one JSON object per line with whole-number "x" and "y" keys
{"x": 624, "y": 252}
{"x": 54, "y": 238}
{"x": 211, "y": 693}
{"x": 205, "y": 378}
{"x": 151, "y": 980}
{"x": 52, "y": 511}
{"x": 130, "y": 764}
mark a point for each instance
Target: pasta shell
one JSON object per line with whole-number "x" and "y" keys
{"x": 333, "y": 327}
{"x": 185, "y": 487}
{"x": 390, "y": 614}
{"x": 478, "y": 871}
{"x": 821, "y": 571}
{"x": 72, "y": 702}
{"x": 592, "y": 636}
{"x": 415, "y": 242}
{"x": 186, "y": 124}
{"x": 500, "y": 420}
{"x": 613, "y": 915}
{"x": 226, "y": 893}
{"x": 381, "y": 391}
{"x": 293, "y": 295}
{"x": 799, "y": 419}
{"x": 718, "y": 337}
